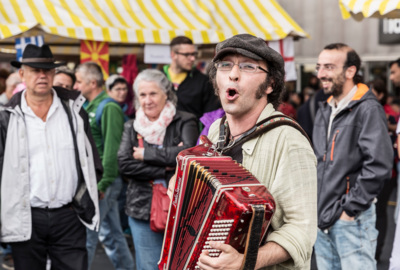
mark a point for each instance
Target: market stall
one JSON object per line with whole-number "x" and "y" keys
{"x": 360, "y": 9}
{"x": 152, "y": 21}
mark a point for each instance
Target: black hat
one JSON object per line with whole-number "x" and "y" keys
{"x": 37, "y": 57}
{"x": 249, "y": 46}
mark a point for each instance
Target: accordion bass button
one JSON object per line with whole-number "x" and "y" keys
{"x": 247, "y": 189}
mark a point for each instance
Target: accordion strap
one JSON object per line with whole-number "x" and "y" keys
{"x": 253, "y": 238}
{"x": 260, "y": 128}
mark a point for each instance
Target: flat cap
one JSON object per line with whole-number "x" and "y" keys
{"x": 249, "y": 46}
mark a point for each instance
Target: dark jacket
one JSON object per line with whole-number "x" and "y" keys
{"x": 355, "y": 160}
{"x": 195, "y": 94}
{"x": 14, "y": 165}
{"x": 306, "y": 112}
{"x": 183, "y": 128}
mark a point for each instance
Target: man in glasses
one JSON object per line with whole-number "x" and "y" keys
{"x": 248, "y": 77}
{"x": 194, "y": 91}
{"x": 354, "y": 154}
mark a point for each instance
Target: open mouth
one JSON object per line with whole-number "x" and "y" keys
{"x": 231, "y": 94}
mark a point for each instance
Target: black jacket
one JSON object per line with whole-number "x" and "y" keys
{"x": 183, "y": 128}
{"x": 196, "y": 94}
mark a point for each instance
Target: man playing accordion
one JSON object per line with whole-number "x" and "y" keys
{"x": 248, "y": 77}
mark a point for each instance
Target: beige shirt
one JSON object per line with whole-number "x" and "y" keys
{"x": 283, "y": 160}
{"x": 337, "y": 108}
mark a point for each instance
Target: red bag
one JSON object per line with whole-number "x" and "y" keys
{"x": 159, "y": 208}
{"x": 159, "y": 202}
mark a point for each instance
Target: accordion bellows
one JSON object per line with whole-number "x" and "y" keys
{"x": 212, "y": 200}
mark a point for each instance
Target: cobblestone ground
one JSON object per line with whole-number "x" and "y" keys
{"x": 101, "y": 261}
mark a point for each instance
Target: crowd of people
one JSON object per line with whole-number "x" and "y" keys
{"x": 71, "y": 154}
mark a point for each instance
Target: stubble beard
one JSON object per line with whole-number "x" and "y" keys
{"x": 182, "y": 69}
{"x": 337, "y": 86}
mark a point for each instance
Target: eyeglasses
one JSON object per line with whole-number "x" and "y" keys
{"x": 194, "y": 54}
{"x": 327, "y": 67}
{"x": 118, "y": 89}
{"x": 245, "y": 67}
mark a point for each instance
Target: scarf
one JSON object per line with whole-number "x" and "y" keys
{"x": 154, "y": 132}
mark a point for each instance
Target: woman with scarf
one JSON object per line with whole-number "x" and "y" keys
{"x": 164, "y": 132}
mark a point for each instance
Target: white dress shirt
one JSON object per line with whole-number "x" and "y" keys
{"x": 52, "y": 167}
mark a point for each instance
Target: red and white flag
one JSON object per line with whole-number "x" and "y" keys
{"x": 286, "y": 48}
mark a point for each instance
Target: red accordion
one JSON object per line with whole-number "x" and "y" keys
{"x": 214, "y": 199}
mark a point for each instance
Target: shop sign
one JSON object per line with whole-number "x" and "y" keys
{"x": 389, "y": 31}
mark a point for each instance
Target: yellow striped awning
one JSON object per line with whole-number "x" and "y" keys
{"x": 148, "y": 21}
{"x": 359, "y": 9}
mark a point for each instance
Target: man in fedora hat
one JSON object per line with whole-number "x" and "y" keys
{"x": 49, "y": 166}
{"x": 248, "y": 77}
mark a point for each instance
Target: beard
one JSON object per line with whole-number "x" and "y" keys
{"x": 261, "y": 90}
{"x": 183, "y": 68}
{"x": 337, "y": 85}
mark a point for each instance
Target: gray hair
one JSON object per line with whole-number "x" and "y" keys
{"x": 154, "y": 75}
{"x": 91, "y": 71}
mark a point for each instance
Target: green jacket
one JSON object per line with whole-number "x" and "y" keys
{"x": 107, "y": 137}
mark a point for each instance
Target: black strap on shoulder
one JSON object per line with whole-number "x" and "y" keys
{"x": 275, "y": 121}
{"x": 253, "y": 238}
{"x": 81, "y": 203}
{"x": 260, "y": 128}
{"x": 223, "y": 133}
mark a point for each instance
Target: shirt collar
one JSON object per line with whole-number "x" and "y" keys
{"x": 27, "y": 110}
{"x": 249, "y": 146}
{"x": 266, "y": 112}
{"x": 345, "y": 100}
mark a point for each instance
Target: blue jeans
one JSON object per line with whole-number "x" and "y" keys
{"x": 348, "y": 244}
{"x": 147, "y": 244}
{"x": 395, "y": 258}
{"x": 396, "y": 211}
{"x": 111, "y": 234}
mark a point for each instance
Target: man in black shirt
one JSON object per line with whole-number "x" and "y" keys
{"x": 195, "y": 92}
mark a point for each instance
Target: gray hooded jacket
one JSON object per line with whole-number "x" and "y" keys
{"x": 355, "y": 160}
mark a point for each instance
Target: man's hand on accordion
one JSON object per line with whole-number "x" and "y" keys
{"x": 229, "y": 259}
